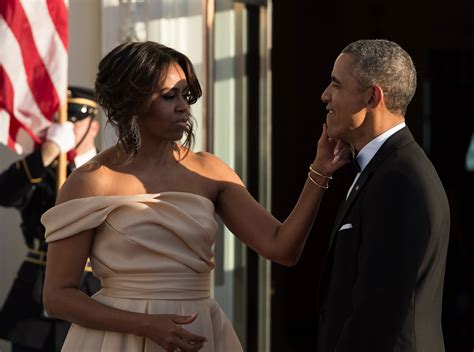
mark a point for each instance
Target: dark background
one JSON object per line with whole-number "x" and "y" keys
{"x": 307, "y": 37}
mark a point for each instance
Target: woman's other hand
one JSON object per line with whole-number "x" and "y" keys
{"x": 166, "y": 331}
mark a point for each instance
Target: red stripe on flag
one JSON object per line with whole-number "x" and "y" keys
{"x": 39, "y": 81}
{"x": 59, "y": 15}
{"x": 12, "y": 133}
{"x": 6, "y": 103}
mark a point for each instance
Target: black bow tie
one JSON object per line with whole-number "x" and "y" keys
{"x": 354, "y": 162}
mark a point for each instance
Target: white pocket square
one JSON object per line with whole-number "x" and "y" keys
{"x": 345, "y": 227}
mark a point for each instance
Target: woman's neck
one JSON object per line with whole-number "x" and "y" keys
{"x": 160, "y": 154}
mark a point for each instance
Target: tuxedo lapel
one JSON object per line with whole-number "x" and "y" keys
{"x": 395, "y": 141}
{"x": 346, "y": 205}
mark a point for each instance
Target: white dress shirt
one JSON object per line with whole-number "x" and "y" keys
{"x": 370, "y": 149}
{"x": 83, "y": 158}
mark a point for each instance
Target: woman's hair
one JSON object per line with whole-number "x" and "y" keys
{"x": 379, "y": 61}
{"x": 128, "y": 77}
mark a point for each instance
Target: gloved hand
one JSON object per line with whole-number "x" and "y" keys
{"x": 62, "y": 134}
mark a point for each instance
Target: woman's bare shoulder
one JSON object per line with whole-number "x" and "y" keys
{"x": 216, "y": 168}
{"x": 94, "y": 178}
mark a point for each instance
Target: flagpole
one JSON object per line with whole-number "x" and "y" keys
{"x": 62, "y": 161}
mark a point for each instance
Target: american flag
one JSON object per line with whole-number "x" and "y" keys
{"x": 33, "y": 69}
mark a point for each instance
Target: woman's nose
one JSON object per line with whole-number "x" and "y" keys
{"x": 182, "y": 104}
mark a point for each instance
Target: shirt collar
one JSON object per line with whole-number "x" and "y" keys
{"x": 370, "y": 149}
{"x": 83, "y": 158}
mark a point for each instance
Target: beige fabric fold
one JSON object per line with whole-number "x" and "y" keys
{"x": 153, "y": 254}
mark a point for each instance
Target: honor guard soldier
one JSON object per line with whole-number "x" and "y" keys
{"x": 30, "y": 186}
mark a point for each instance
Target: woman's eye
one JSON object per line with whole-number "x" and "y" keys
{"x": 187, "y": 96}
{"x": 169, "y": 96}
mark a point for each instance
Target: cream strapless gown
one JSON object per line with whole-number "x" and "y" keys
{"x": 153, "y": 254}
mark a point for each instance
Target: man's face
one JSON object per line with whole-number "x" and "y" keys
{"x": 80, "y": 128}
{"x": 346, "y": 102}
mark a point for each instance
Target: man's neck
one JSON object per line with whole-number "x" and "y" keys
{"x": 378, "y": 126}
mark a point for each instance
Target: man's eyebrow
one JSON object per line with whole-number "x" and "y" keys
{"x": 335, "y": 80}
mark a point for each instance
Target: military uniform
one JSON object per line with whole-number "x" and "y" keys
{"x": 30, "y": 187}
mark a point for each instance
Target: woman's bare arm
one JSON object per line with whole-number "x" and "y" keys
{"x": 255, "y": 226}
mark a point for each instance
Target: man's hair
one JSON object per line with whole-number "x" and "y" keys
{"x": 382, "y": 62}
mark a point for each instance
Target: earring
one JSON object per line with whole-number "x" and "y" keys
{"x": 135, "y": 134}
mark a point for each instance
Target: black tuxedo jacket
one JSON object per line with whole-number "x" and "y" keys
{"x": 382, "y": 283}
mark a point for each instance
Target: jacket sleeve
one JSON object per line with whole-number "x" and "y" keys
{"x": 19, "y": 179}
{"x": 395, "y": 234}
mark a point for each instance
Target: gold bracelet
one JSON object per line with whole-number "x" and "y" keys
{"x": 317, "y": 184}
{"x": 318, "y": 173}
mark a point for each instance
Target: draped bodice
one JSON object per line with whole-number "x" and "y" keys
{"x": 135, "y": 236}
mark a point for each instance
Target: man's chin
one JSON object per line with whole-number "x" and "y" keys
{"x": 331, "y": 133}
{"x": 336, "y": 136}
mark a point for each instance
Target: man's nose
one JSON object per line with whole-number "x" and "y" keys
{"x": 325, "y": 97}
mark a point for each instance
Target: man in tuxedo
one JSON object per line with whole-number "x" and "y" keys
{"x": 29, "y": 185}
{"x": 381, "y": 288}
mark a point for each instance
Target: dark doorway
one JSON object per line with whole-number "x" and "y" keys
{"x": 450, "y": 79}
{"x": 307, "y": 37}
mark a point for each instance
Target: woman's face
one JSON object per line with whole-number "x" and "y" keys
{"x": 169, "y": 110}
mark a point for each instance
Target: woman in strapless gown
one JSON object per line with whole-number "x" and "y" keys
{"x": 144, "y": 211}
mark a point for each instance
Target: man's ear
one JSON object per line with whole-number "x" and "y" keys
{"x": 376, "y": 96}
{"x": 95, "y": 126}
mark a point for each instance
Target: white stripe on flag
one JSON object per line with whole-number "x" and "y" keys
{"x": 48, "y": 43}
{"x": 4, "y": 126}
{"x": 25, "y": 105}
{"x": 34, "y": 61}
{"x": 24, "y": 144}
